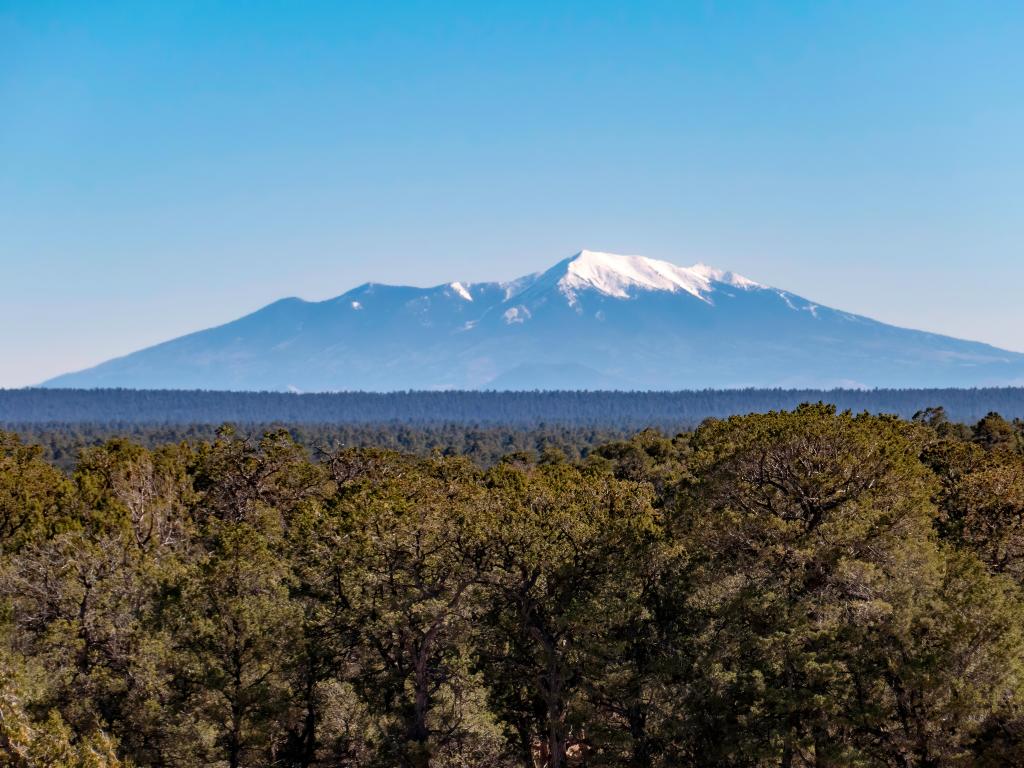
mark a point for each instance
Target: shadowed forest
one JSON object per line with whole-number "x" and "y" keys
{"x": 796, "y": 588}
{"x": 668, "y": 411}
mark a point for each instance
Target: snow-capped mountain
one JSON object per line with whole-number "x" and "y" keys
{"x": 593, "y": 321}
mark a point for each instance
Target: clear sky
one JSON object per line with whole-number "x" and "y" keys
{"x": 169, "y": 166}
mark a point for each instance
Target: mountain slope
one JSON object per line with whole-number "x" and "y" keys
{"x": 593, "y": 321}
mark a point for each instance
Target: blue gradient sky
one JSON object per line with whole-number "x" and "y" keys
{"x": 169, "y": 166}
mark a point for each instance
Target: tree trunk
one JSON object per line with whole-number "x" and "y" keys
{"x": 556, "y": 737}
{"x": 641, "y": 756}
{"x": 235, "y": 734}
{"x": 417, "y": 734}
{"x": 235, "y": 739}
{"x": 308, "y": 742}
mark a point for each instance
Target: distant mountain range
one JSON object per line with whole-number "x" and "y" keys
{"x": 592, "y": 321}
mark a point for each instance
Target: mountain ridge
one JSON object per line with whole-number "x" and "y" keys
{"x": 594, "y": 320}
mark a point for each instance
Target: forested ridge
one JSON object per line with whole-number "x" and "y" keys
{"x": 795, "y": 588}
{"x": 668, "y": 411}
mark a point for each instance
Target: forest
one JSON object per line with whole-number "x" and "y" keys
{"x": 484, "y": 445}
{"x": 668, "y": 411}
{"x": 809, "y": 587}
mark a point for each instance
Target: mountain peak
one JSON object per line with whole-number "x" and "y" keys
{"x": 616, "y": 275}
{"x": 595, "y": 319}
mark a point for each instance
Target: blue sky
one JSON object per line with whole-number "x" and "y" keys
{"x": 169, "y": 166}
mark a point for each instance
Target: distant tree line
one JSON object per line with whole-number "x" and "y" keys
{"x": 669, "y": 411}
{"x": 484, "y": 445}
{"x": 803, "y": 589}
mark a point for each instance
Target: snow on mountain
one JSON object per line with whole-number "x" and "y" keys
{"x": 594, "y": 320}
{"x": 615, "y": 275}
{"x": 461, "y": 290}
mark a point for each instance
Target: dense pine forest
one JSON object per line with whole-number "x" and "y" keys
{"x": 668, "y": 411}
{"x": 794, "y": 588}
{"x": 484, "y": 445}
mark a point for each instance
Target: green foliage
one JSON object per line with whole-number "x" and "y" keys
{"x": 564, "y": 543}
{"x": 31, "y": 494}
{"x": 792, "y": 588}
{"x": 28, "y": 741}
